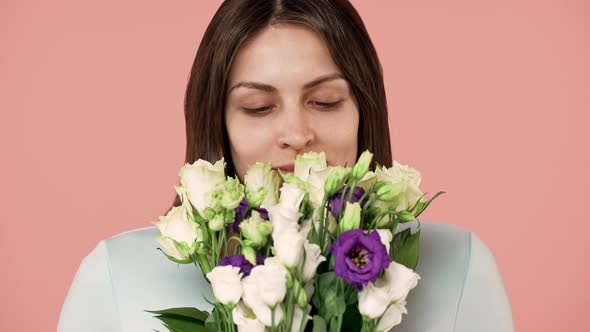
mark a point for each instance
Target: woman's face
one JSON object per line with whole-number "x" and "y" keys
{"x": 286, "y": 97}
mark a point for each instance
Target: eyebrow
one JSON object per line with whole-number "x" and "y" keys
{"x": 270, "y": 88}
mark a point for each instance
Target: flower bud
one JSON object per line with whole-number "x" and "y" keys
{"x": 301, "y": 295}
{"x": 386, "y": 192}
{"x": 255, "y": 198}
{"x": 249, "y": 254}
{"x": 335, "y": 181}
{"x": 351, "y": 218}
{"x": 216, "y": 224}
{"x": 233, "y": 192}
{"x": 405, "y": 216}
{"x": 362, "y": 165}
{"x": 209, "y": 213}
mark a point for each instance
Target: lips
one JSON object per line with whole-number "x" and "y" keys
{"x": 285, "y": 168}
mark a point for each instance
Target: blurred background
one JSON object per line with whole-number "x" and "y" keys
{"x": 490, "y": 100}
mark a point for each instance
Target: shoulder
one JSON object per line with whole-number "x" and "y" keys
{"x": 451, "y": 258}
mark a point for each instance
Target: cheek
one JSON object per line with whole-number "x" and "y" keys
{"x": 248, "y": 141}
{"x": 340, "y": 136}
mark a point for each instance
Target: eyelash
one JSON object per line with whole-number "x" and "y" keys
{"x": 321, "y": 105}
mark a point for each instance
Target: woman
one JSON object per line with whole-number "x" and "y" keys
{"x": 273, "y": 79}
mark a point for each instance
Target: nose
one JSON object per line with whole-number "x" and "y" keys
{"x": 295, "y": 131}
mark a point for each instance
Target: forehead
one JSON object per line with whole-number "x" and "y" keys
{"x": 283, "y": 55}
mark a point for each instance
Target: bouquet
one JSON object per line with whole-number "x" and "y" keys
{"x": 316, "y": 250}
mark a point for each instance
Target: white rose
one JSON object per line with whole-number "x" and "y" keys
{"x": 177, "y": 226}
{"x": 386, "y": 237}
{"x": 242, "y": 316}
{"x": 313, "y": 258}
{"x": 261, "y": 175}
{"x": 406, "y": 181}
{"x": 200, "y": 179}
{"x": 226, "y": 282}
{"x": 392, "y": 317}
{"x": 308, "y": 161}
{"x": 289, "y": 247}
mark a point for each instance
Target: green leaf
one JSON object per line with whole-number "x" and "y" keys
{"x": 181, "y": 324}
{"x": 352, "y": 321}
{"x": 408, "y": 252}
{"x": 421, "y": 206}
{"x": 187, "y": 312}
{"x": 319, "y": 324}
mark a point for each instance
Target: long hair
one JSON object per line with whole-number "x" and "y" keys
{"x": 339, "y": 25}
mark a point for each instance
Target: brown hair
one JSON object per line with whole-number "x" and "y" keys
{"x": 344, "y": 33}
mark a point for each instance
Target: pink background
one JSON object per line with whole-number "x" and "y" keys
{"x": 489, "y": 100}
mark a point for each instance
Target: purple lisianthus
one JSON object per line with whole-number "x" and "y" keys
{"x": 235, "y": 226}
{"x": 241, "y": 262}
{"x": 359, "y": 257}
{"x": 335, "y": 200}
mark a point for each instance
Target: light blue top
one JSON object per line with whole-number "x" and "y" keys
{"x": 460, "y": 288}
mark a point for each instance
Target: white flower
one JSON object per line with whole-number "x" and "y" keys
{"x": 399, "y": 281}
{"x": 309, "y": 161}
{"x": 282, "y": 218}
{"x": 264, "y": 288}
{"x": 313, "y": 258}
{"x": 289, "y": 247}
{"x": 226, "y": 283}
{"x": 406, "y": 181}
{"x": 177, "y": 226}
{"x": 256, "y": 230}
{"x": 392, "y": 317}
{"x": 394, "y": 286}
{"x": 200, "y": 179}
{"x": 245, "y": 319}
{"x": 373, "y": 301}
{"x": 386, "y": 237}
{"x": 291, "y": 196}
{"x": 261, "y": 175}
{"x": 367, "y": 181}
{"x": 298, "y": 318}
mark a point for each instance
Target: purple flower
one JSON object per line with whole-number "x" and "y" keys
{"x": 359, "y": 257}
{"x": 235, "y": 226}
{"x": 335, "y": 200}
{"x": 241, "y": 262}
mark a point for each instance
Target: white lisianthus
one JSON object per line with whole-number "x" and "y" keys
{"x": 256, "y": 230}
{"x": 399, "y": 281}
{"x": 306, "y": 162}
{"x": 226, "y": 283}
{"x": 386, "y": 237}
{"x": 288, "y": 245}
{"x": 291, "y": 196}
{"x": 261, "y": 175}
{"x": 177, "y": 226}
{"x": 313, "y": 258}
{"x": 373, "y": 301}
{"x": 282, "y": 218}
{"x": 298, "y": 318}
{"x": 406, "y": 181}
{"x": 392, "y": 316}
{"x": 367, "y": 181}
{"x": 264, "y": 288}
{"x": 392, "y": 287}
{"x": 245, "y": 319}
{"x": 200, "y": 180}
